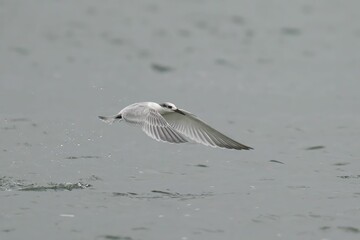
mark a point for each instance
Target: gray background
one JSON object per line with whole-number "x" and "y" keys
{"x": 280, "y": 76}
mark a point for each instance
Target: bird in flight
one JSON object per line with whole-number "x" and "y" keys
{"x": 167, "y": 123}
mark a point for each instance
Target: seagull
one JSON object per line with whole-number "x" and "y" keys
{"x": 167, "y": 123}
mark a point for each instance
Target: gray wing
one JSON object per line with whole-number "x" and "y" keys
{"x": 157, "y": 128}
{"x": 198, "y": 131}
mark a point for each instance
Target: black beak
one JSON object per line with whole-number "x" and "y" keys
{"x": 179, "y": 111}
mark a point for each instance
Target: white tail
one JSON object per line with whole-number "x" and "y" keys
{"x": 108, "y": 120}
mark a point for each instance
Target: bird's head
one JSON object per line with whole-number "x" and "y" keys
{"x": 170, "y": 107}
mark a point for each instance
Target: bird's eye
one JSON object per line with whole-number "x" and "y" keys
{"x": 169, "y": 106}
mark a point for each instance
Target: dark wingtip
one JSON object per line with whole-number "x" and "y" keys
{"x": 243, "y": 147}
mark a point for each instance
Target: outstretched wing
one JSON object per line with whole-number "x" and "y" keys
{"x": 198, "y": 131}
{"x": 155, "y": 126}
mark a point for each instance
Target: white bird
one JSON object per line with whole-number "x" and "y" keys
{"x": 167, "y": 123}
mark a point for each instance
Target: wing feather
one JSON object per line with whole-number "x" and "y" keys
{"x": 156, "y": 127}
{"x": 198, "y": 131}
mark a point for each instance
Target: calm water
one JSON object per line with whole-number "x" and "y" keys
{"x": 281, "y": 77}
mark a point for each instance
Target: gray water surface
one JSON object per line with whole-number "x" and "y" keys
{"x": 279, "y": 76}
